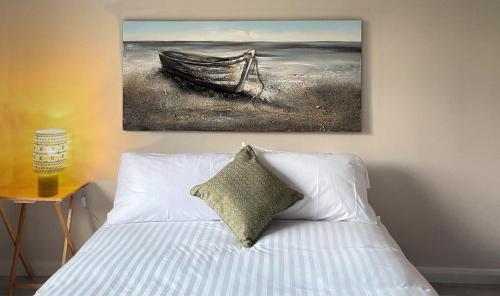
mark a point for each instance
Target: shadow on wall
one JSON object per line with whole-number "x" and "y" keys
{"x": 401, "y": 198}
{"x": 99, "y": 202}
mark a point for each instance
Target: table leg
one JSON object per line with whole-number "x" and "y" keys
{"x": 17, "y": 248}
{"x": 68, "y": 222}
{"x": 27, "y": 267}
{"x": 64, "y": 227}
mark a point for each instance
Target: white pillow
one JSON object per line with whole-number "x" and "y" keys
{"x": 155, "y": 187}
{"x": 334, "y": 185}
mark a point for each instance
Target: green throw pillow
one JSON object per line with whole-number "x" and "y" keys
{"x": 246, "y": 196}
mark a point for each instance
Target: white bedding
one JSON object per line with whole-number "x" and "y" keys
{"x": 203, "y": 258}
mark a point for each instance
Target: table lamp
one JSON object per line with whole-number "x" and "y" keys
{"x": 49, "y": 159}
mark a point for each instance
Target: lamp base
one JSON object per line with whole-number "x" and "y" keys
{"x": 48, "y": 185}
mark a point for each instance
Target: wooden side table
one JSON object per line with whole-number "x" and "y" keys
{"x": 25, "y": 196}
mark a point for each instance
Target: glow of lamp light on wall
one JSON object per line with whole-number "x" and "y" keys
{"x": 49, "y": 159}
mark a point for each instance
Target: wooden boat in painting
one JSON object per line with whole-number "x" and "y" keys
{"x": 227, "y": 74}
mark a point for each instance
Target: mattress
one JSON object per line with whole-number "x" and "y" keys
{"x": 203, "y": 258}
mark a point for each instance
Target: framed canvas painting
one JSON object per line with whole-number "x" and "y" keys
{"x": 254, "y": 76}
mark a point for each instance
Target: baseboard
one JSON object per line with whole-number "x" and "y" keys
{"x": 454, "y": 275}
{"x": 41, "y": 268}
{"x": 432, "y": 274}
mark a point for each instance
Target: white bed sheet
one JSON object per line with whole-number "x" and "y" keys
{"x": 203, "y": 258}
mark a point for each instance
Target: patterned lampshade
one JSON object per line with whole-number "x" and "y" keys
{"x": 49, "y": 151}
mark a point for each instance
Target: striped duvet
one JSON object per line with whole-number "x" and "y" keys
{"x": 203, "y": 258}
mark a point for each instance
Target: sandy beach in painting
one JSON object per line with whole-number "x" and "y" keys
{"x": 308, "y": 86}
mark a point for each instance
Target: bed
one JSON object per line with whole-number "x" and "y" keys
{"x": 202, "y": 258}
{"x": 159, "y": 240}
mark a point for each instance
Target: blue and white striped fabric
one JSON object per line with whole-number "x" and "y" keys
{"x": 203, "y": 258}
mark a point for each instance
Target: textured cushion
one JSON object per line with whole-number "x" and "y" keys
{"x": 246, "y": 196}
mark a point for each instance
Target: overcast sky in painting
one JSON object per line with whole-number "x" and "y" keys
{"x": 242, "y": 31}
